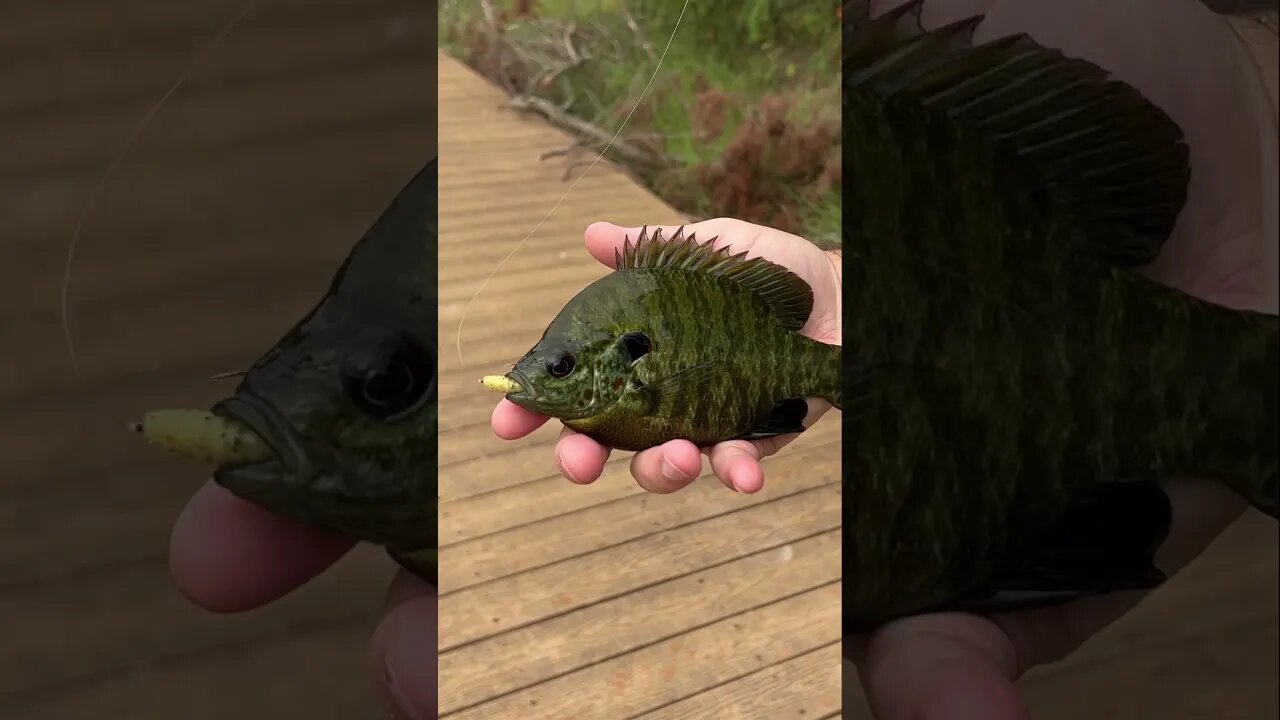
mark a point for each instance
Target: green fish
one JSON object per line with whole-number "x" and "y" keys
{"x": 681, "y": 341}
{"x": 336, "y": 424}
{"x": 1019, "y": 391}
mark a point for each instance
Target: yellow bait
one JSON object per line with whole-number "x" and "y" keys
{"x": 501, "y": 383}
{"x": 203, "y": 436}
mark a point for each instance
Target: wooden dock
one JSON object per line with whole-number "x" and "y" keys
{"x": 602, "y": 601}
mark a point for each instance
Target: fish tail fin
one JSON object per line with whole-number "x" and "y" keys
{"x": 830, "y": 386}
{"x": 1238, "y": 402}
{"x": 1266, "y": 496}
{"x": 1261, "y": 485}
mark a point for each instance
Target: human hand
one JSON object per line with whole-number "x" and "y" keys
{"x": 229, "y": 555}
{"x": 1224, "y": 249}
{"x": 676, "y": 464}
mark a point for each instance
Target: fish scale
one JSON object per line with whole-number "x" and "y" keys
{"x": 1030, "y": 388}
{"x": 723, "y": 355}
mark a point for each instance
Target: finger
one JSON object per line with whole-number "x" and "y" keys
{"x": 929, "y": 667}
{"x": 405, "y": 649}
{"x": 668, "y": 467}
{"x": 604, "y": 239}
{"x": 580, "y": 458}
{"x": 512, "y": 422}
{"x": 737, "y": 464}
{"x": 1202, "y": 509}
{"x": 227, "y": 554}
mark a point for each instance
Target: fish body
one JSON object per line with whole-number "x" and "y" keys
{"x": 1025, "y": 388}
{"x": 681, "y": 341}
{"x": 336, "y": 424}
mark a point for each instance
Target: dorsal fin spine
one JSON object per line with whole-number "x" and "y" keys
{"x": 788, "y": 297}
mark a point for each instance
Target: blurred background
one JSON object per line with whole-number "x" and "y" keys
{"x": 743, "y": 119}
{"x": 222, "y": 226}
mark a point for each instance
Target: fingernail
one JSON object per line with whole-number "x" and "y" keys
{"x": 671, "y": 472}
{"x": 564, "y": 470}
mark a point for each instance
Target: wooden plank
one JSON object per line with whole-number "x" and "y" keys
{"x": 678, "y": 668}
{"x": 125, "y": 519}
{"x": 796, "y": 688}
{"x": 215, "y": 119}
{"x": 133, "y": 618}
{"x": 30, "y": 28}
{"x": 475, "y": 440}
{"x": 193, "y": 314}
{"x": 160, "y": 243}
{"x": 514, "y": 550}
{"x": 82, "y": 74}
{"x": 319, "y": 672}
{"x": 490, "y": 473}
{"x": 485, "y": 610}
{"x": 546, "y": 497}
{"x": 567, "y": 643}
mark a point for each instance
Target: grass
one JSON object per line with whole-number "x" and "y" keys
{"x": 743, "y": 118}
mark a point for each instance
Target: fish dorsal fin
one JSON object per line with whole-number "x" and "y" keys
{"x": 1111, "y": 160}
{"x": 789, "y": 298}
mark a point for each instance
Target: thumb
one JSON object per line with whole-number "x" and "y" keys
{"x": 404, "y": 649}
{"x": 604, "y": 239}
{"x": 939, "y": 667}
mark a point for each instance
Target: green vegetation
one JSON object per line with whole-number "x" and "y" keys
{"x": 743, "y": 118}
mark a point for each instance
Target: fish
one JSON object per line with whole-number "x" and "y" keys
{"x": 1023, "y": 389}
{"x": 335, "y": 425}
{"x": 680, "y": 341}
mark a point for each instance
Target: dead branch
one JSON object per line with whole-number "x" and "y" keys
{"x": 588, "y": 135}
{"x": 575, "y": 145}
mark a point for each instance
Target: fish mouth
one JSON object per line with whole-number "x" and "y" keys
{"x": 523, "y": 390}
{"x": 289, "y": 464}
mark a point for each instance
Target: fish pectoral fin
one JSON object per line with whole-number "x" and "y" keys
{"x": 423, "y": 562}
{"x": 786, "y": 418}
{"x": 1105, "y": 541}
{"x": 667, "y": 396}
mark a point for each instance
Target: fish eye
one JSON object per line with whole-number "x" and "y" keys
{"x": 635, "y": 344}
{"x": 394, "y": 384}
{"x": 561, "y": 366}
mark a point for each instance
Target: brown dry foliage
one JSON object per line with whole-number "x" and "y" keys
{"x": 710, "y": 110}
{"x": 772, "y": 157}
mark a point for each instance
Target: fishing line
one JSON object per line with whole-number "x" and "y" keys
{"x": 514, "y": 250}
{"x": 65, "y": 306}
